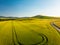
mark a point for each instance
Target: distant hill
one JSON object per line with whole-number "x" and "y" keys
{"x": 7, "y": 17}
{"x": 43, "y": 17}
{"x": 1, "y": 16}
{"x": 37, "y": 16}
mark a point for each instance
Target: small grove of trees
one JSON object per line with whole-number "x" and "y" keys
{"x": 19, "y": 19}
{"x": 24, "y": 19}
{"x": 6, "y": 19}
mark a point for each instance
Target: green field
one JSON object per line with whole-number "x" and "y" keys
{"x": 28, "y": 32}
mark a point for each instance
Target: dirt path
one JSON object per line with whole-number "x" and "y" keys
{"x": 55, "y": 26}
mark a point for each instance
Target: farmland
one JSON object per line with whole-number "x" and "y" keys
{"x": 28, "y": 32}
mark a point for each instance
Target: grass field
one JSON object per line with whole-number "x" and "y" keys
{"x": 28, "y": 32}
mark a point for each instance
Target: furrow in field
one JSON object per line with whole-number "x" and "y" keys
{"x": 45, "y": 28}
{"x": 53, "y": 35}
{"x": 14, "y": 35}
{"x": 27, "y": 37}
{"x": 44, "y": 38}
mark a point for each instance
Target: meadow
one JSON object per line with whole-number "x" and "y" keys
{"x": 29, "y": 32}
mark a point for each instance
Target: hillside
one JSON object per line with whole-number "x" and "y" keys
{"x": 2, "y": 18}
{"x": 44, "y": 17}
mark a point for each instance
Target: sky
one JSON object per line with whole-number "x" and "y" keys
{"x": 27, "y": 8}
